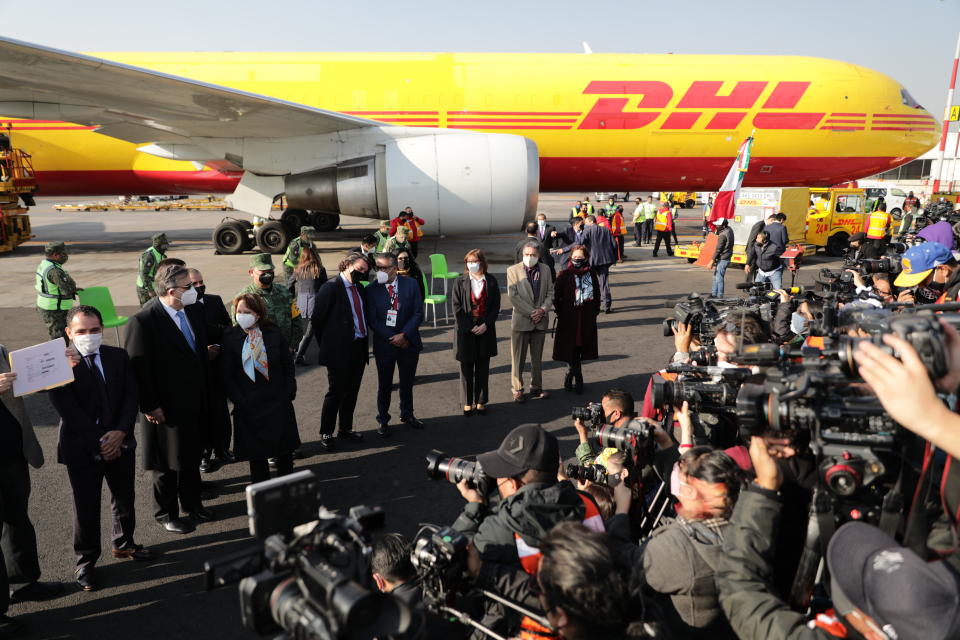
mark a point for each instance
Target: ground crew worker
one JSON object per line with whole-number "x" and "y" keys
{"x": 382, "y": 235}
{"x": 619, "y": 230}
{"x": 878, "y": 228}
{"x": 610, "y": 208}
{"x": 411, "y": 222}
{"x": 55, "y": 289}
{"x": 149, "y": 263}
{"x": 663, "y": 225}
{"x": 649, "y": 213}
{"x": 278, "y": 300}
{"x": 637, "y": 222}
{"x": 586, "y": 203}
{"x": 292, "y": 257}
{"x": 575, "y": 210}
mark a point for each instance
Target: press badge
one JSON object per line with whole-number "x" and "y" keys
{"x": 391, "y": 318}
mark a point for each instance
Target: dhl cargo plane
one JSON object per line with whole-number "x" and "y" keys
{"x": 467, "y": 140}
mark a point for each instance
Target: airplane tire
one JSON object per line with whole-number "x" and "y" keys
{"x": 837, "y": 243}
{"x": 293, "y": 219}
{"x": 272, "y": 237}
{"x": 230, "y": 238}
{"x": 690, "y": 203}
{"x": 325, "y": 222}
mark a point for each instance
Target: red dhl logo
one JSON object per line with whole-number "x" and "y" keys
{"x": 608, "y": 113}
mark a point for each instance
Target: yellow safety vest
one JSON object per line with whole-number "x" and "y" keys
{"x": 49, "y": 296}
{"x": 879, "y": 220}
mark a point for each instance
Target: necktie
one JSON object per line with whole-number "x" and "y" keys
{"x": 361, "y": 326}
{"x": 185, "y": 328}
{"x": 391, "y": 289}
{"x": 103, "y": 408}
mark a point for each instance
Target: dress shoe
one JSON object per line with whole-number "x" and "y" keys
{"x": 413, "y": 422}
{"x": 350, "y": 435}
{"x": 225, "y": 456}
{"x": 608, "y": 310}
{"x": 178, "y": 526}
{"x": 568, "y": 381}
{"x": 37, "y": 591}
{"x": 206, "y": 466}
{"x": 135, "y": 552}
{"x": 481, "y": 411}
{"x": 201, "y": 515}
{"x": 328, "y": 442}
{"x": 9, "y": 627}
{"x": 539, "y": 394}
{"x": 87, "y": 578}
{"x": 578, "y": 383}
{"x": 384, "y": 430}
{"x": 468, "y": 411}
{"x": 518, "y": 397}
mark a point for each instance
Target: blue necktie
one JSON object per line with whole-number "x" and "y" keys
{"x": 185, "y": 328}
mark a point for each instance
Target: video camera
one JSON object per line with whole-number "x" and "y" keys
{"x": 702, "y": 316}
{"x": 313, "y": 585}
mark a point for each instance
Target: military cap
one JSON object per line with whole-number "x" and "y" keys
{"x": 261, "y": 262}
{"x": 54, "y": 247}
{"x": 159, "y": 238}
{"x": 307, "y": 229}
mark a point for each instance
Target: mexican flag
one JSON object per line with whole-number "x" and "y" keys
{"x": 726, "y": 200}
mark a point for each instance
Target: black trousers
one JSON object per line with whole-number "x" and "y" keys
{"x": 474, "y": 381}
{"x": 415, "y": 249}
{"x": 647, "y": 230}
{"x": 18, "y": 549}
{"x": 305, "y": 341}
{"x": 405, "y": 361}
{"x": 260, "y": 469}
{"x": 87, "y": 483}
{"x": 575, "y": 366}
{"x": 665, "y": 237}
{"x": 620, "y": 244}
{"x": 603, "y": 275}
{"x": 343, "y": 385}
{"x": 169, "y": 486}
{"x": 637, "y": 232}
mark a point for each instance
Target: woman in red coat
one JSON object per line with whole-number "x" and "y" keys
{"x": 576, "y": 301}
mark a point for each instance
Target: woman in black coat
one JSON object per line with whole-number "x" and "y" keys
{"x": 407, "y": 266}
{"x": 476, "y": 305}
{"x": 259, "y": 378}
{"x": 576, "y": 301}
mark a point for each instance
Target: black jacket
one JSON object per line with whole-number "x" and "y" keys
{"x": 78, "y": 404}
{"x": 777, "y": 234}
{"x": 545, "y": 256}
{"x": 751, "y": 247}
{"x": 724, "y": 244}
{"x": 333, "y": 321}
{"x": 467, "y": 346}
{"x": 216, "y": 316}
{"x": 768, "y": 256}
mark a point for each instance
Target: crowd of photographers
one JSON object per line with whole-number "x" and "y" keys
{"x": 790, "y": 473}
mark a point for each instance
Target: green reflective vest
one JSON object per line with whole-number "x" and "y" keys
{"x": 49, "y": 295}
{"x": 152, "y": 271}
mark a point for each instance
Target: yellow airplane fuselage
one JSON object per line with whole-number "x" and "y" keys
{"x": 604, "y": 122}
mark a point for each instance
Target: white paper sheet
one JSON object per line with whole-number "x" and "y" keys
{"x": 42, "y": 366}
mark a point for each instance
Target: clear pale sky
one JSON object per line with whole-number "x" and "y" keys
{"x": 911, "y": 40}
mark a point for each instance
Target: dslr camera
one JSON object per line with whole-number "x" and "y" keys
{"x": 454, "y": 470}
{"x": 591, "y": 415}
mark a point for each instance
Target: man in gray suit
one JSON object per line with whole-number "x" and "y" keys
{"x": 530, "y": 290}
{"x": 18, "y": 551}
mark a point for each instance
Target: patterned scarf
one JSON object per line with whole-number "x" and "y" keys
{"x": 584, "y": 284}
{"x": 254, "y": 355}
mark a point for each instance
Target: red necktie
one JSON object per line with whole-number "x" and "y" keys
{"x": 361, "y": 325}
{"x": 393, "y": 296}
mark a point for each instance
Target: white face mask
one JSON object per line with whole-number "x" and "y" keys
{"x": 798, "y": 323}
{"x": 529, "y": 261}
{"x": 246, "y": 320}
{"x": 189, "y": 297}
{"x": 542, "y": 223}
{"x": 87, "y": 343}
{"x": 473, "y": 267}
{"x": 382, "y": 277}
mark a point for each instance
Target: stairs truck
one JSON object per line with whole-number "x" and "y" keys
{"x": 816, "y": 218}
{"x": 17, "y": 183}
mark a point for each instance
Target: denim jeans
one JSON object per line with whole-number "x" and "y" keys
{"x": 718, "y": 275}
{"x": 775, "y": 277}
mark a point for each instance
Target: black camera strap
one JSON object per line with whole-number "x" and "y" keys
{"x": 891, "y": 510}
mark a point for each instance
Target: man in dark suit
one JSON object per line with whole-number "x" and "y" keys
{"x": 167, "y": 342}
{"x": 217, "y": 428}
{"x": 603, "y": 253}
{"x": 549, "y": 237}
{"x": 567, "y": 239}
{"x": 97, "y": 413}
{"x": 394, "y": 311}
{"x": 339, "y": 322}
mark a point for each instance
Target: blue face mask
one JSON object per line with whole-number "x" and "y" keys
{"x": 798, "y": 323}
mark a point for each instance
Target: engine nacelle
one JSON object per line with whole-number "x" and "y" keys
{"x": 459, "y": 183}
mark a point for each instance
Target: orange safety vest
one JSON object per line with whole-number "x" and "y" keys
{"x": 661, "y": 220}
{"x": 879, "y": 221}
{"x": 530, "y": 555}
{"x": 415, "y": 232}
{"x": 619, "y": 226}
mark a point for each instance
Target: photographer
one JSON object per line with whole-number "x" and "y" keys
{"x": 860, "y": 249}
{"x": 617, "y": 406}
{"x": 880, "y": 590}
{"x": 927, "y": 268}
{"x": 392, "y": 570}
{"x": 679, "y": 559}
{"x": 769, "y": 266}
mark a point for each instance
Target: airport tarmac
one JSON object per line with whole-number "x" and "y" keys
{"x": 166, "y": 599}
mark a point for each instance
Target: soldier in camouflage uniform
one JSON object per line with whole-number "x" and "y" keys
{"x": 292, "y": 257}
{"x": 278, "y": 300}
{"x": 149, "y": 260}
{"x": 55, "y": 289}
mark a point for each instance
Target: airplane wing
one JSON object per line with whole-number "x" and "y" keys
{"x": 139, "y": 105}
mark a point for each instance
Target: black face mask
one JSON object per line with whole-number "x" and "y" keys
{"x": 403, "y": 263}
{"x": 200, "y": 289}
{"x": 266, "y": 278}
{"x": 579, "y": 262}
{"x": 936, "y": 286}
{"x": 356, "y": 277}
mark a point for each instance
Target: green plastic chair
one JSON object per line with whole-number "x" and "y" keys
{"x": 99, "y": 298}
{"x": 438, "y": 269}
{"x": 433, "y": 301}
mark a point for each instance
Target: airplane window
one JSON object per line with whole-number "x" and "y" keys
{"x": 908, "y": 100}
{"x": 898, "y": 192}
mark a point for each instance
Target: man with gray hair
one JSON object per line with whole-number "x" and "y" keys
{"x": 530, "y": 290}
{"x": 167, "y": 343}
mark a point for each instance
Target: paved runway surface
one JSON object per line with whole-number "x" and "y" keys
{"x": 166, "y": 599}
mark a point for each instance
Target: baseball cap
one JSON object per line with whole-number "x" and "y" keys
{"x": 904, "y": 594}
{"x": 526, "y": 447}
{"x": 859, "y": 236}
{"x": 919, "y": 261}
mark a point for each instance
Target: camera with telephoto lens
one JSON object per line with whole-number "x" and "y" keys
{"x": 702, "y": 316}
{"x": 591, "y": 415}
{"x": 889, "y": 265}
{"x": 923, "y": 331}
{"x": 597, "y": 474}
{"x": 456, "y": 470}
{"x": 314, "y": 585}
{"x": 635, "y": 438}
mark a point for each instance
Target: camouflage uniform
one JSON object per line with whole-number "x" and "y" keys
{"x": 149, "y": 260}
{"x": 55, "y": 291}
{"x": 278, "y": 300}
{"x": 292, "y": 257}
